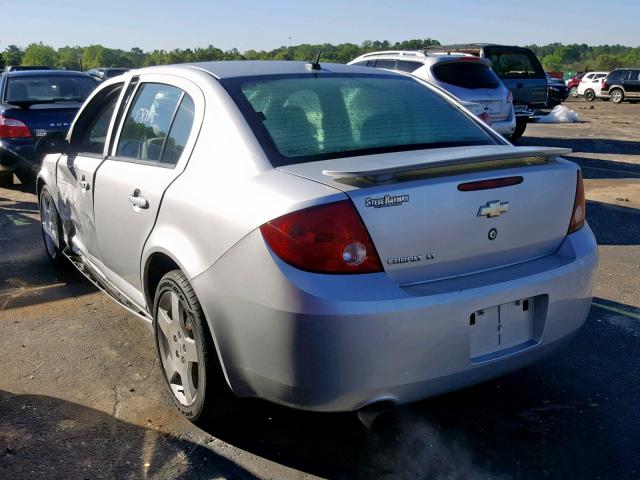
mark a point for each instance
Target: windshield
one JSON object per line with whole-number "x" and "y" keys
{"x": 48, "y": 89}
{"x": 303, "y": 118}
{"x": 466, "y": 74}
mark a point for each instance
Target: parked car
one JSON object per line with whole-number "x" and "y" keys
{"x": 558, "y": 91}
{"x": 467, "y": 77}
{"x": 520, "y": 71}
{"x": 104, "y": 73}
{"x": 590, "y": 85}
{"x": 622, "y": 84}
{"x": 35, "y": 104}
{"x": 327, "y": 237}
{"x": 573, "y": 82}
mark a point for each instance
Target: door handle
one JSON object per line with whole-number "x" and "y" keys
{"x": 84, "y": 185}
{"x": 137, "y": 200}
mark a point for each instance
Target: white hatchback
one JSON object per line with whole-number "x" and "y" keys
{"x": 591, "y": 85}
{"x": 467, "y": 77}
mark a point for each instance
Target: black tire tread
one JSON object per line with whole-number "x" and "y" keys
{"x": 521, "y": 126}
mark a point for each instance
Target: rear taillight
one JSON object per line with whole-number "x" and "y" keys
{"x": 510, "y": 97}
{"x": 485, "y": 117}
{"x": 328, "y": 238}
{"x": 603, "y": 85}
{"x": 578, "y": 214}
{"x": 12, "y": 128}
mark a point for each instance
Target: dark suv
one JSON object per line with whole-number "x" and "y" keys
{"x": 520, "y": 71}
{"x": 622, "y": 84}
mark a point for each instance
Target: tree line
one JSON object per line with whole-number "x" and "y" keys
{"x": 554, "y": 57}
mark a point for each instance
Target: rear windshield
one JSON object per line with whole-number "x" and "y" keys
{"x": 304, "y": 118}
{"x": 515, "y": 64}
{"x": 48, "y": 89}
{"x": 466, "y": 74}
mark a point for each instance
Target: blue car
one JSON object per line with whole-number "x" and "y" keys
{"x": 34, "y": 105}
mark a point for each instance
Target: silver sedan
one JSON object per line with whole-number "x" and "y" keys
{"x": 327, "y": 237}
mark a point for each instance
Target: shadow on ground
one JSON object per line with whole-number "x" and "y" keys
{"x": 614, "y": 224}
{"x": 45, "y": 437}
{"x": 26, "y": 275}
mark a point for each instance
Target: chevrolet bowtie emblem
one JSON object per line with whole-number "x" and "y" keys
{"x": 493, "y": 209}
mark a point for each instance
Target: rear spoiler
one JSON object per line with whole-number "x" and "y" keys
{"x": 384, "y": 167}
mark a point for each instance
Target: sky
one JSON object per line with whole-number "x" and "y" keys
{"x": 268, "y": 24}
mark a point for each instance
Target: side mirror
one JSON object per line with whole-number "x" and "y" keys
{"x": 53, "y": 143}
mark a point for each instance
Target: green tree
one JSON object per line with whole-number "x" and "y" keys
{"x": 39, "y": 54}
{"x": 12, "y": 55}
{"x": 95, "y": 56}
{"x": 608, "y": 62}
{"x": 69, "y": 58}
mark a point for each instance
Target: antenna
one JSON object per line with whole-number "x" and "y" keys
{"x": 315, "y": 65}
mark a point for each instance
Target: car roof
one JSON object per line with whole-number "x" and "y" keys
{"x": 48, "y": 73}
{"x": 250, "y": 68}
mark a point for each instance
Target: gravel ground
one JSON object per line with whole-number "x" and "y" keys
{"x": 81, "y": 393}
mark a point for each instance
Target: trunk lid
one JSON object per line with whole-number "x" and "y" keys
{"x": 424, "y": 228}
{"x": 46, "y": 118}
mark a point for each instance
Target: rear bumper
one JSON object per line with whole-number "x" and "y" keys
{"x": 505, "y": 127}
{"x": 338, "y": 343}
{"x": 18, "y": 154}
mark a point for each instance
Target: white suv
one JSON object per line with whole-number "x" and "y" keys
{"x": 467, "y": 77}
{"x": 591, "y": 84}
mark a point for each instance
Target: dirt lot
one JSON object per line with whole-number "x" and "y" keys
{"x": 81, "y": 394}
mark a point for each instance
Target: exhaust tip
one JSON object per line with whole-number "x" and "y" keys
{"x": 376, "y": 415}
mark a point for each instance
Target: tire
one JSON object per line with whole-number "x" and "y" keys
{"x": 617, "y": 96}
{"x": 205, "y": 399}
{"x": 521, "y": 126}
{"x": 589, "y": 95}
{"x": 51, "y": 228}
{"x": 573, "y": 92}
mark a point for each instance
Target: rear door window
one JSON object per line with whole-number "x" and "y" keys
{"x": 148, "y": 122}
{"x": 466, "y": 74}
{"x": 516, "y": 64}
{"x": 180, "y": 131}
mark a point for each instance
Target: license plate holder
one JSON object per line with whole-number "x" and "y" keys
{"x": 501, "y": 327}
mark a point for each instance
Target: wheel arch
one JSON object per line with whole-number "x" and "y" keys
{"x": 158, "y": 263}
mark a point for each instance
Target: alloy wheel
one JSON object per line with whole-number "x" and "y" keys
{"x": 49, "y": 225}
{"x": 178, "y": 351}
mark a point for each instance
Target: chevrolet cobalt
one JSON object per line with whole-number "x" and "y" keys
{"x": 322, "y": 236}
